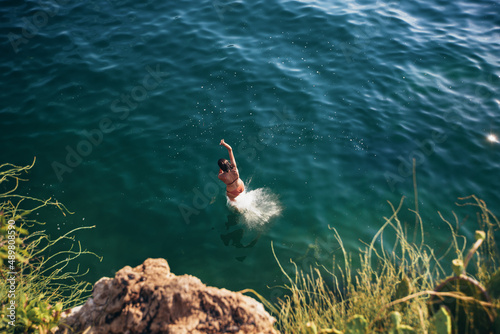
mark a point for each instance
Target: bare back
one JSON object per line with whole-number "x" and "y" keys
{"x": 229, "y": 177}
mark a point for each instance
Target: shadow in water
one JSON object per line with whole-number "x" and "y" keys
{"x": 238, "y": 237}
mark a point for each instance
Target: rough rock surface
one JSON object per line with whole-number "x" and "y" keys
{"x": 150, "y": 299}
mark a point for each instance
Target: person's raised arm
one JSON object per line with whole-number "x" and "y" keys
{"x": 230, "y": 150}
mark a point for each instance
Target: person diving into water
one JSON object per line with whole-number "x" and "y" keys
{"x": 228, "y": 173}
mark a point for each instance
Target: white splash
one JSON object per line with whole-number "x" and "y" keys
{"x": 256, "y": 207}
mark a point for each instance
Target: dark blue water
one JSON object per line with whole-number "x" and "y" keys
{"x": 326, "y": 104}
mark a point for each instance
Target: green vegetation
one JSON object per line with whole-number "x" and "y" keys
{"x": 401, "y": 287}
{"x": 36, "y": 285}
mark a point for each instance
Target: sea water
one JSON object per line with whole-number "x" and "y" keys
{"x": 325, "y": 103}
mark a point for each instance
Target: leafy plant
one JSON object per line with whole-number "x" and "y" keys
{"x": 395, "y": 284}
{"x": 39, "y": 286}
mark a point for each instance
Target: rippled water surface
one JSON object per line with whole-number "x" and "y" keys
{"x": 326, "y": 104}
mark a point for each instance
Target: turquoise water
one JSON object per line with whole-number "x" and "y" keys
{"x": 326, "y": 104}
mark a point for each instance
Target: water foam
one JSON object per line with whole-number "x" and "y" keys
{"x": 256, "y": 207}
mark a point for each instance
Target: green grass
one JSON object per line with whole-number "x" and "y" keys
{"x": 389, "y": 288}
{"x": 43, "y": 285}
{"x": 398, "y": 277}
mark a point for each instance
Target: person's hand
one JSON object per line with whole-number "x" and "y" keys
{"x": 223, "y": 143}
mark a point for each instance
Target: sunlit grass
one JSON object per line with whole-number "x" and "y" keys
{"x": 44, "y": 284}
{"x": 398, "y": 277}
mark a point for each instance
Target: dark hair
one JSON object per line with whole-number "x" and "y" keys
{"x": 224, "y": 165}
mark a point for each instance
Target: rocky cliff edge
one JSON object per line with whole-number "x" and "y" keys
{"x": 151, "y": 299}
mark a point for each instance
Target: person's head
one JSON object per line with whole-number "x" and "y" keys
{"x": 224, "y": 165}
